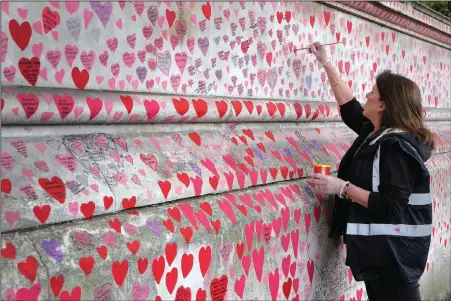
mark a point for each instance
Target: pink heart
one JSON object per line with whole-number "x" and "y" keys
{"x": 43, "y": 73}
{"x": 117, "y": 116}
{"x": 41, "y": 147}
{"x": 5, "y": 7}
{"x": 37, "y": 49}
{"x": 95, "y": 187}
{"x": 120, "y": 178}
{"x": 11, "y": 218}
{"x": 99, "y": 79}
{"x": 133, "y": 117}
{"x": 119, "y": 23}
{"x": 78, "y": 111}
{"x": 87, "y": 14}
{"x": 73, "y": 208}
{"x": 59, "y": 75}
{"x": 108, "y": 105}
{"x": 28, "y": 173}
{"x": 22, "y": 12}
{"x": 55, "y": 35}
{"x": 46, "y": 116}
{"x": 130, "y": 228}
{"x": 112, "y": 83}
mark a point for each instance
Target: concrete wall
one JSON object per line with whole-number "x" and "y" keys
{"x": 160, "y": 150}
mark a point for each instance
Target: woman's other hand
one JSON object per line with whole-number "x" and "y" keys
{"x": 321, "y": 53}
{"x": 328, "y": 184}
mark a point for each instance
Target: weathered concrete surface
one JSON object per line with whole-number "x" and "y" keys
{"x": 77, "y": 172}
{"x": 266, "y": 240}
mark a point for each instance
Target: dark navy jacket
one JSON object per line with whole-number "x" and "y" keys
{"x": 390, "y": 239}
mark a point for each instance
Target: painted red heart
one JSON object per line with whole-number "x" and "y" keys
{"x": 240, "y": 250}
{"x": 187, "y": 264}
{"x": 195, "y": 138}
{"x": 54, "y": 187}
{"x": 165, "y": 187}
{"x": 206, "y": 9}
{"x": 115, "y": 224}
{"x": 201, "y": 295}
{"x": 56, "y": 284}
{"x": 21, "y": 33}
{"x": 214, "y": 180}
{"x": 42, "y": 213}
{"x": 288, "y": 16}
{"x": 75, "y": 295}
{"x": 87, "y": 209}
{"x": 279, "y": 16}
{"x": 204, "y": 259}
{"x": 80, "y": 78}
{"x": 183, "y": 293}
{"x": 119, "y": 271}
{"x": 216, "y": 225}
{"x": 129, "y": 203}
{"x": 29, "y": 68}
{"x": 6, "y": 186}
{"x": 184, "y": 178}
{"x": 127, "y": 101}
{"x": 9, "y": 251}
{"x": 237, "y": 106}
{"x": 158, "y": 265}
{"x": 175, "y": 213}
{"x": 171, "y": 280}
{"x": 187, "y": 233}
{"x": 134, "y": 246}
{"x": 170, "y": 252}
{"x": 102, "y": 251}
{"x": 222, "y": 107}
{"x": 181, "y": 105}
{"x": 142, "y": 265}
{"x": 29, "y": 268}
{"x": 86, "y": 264}
{"x": 169, "y": 225}
{"x": 200, "y": 106}
{"x": 206, "y": 207}
{"x": 286, "y": 287}
{"x": 170, "y": 16}
{"x": 107, "y": 202}
{"x": 218, "y": 288}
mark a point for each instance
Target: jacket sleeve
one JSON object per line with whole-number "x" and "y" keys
{"x": 352, "y": 115}
{"x": 397, "y": 173}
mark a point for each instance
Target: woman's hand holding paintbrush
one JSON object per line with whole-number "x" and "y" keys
{"x": 321, "y": 53}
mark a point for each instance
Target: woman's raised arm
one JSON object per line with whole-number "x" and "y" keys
{"x": 350, "y": 109}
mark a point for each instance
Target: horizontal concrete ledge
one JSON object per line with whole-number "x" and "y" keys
{"x": 83, "y": 171}
{"x": 29, "y": 106}
{"x": 392, "y": 19}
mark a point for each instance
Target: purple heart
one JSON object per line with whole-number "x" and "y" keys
{"x": 154, "y": 226}
{"x": 142, "y": 73}
{"x": 308, "y": 81}
{"x": 103, "y": 11}
{"x": 53, "y": 249}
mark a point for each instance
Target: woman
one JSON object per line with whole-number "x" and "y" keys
{"x": 383, "y": 206}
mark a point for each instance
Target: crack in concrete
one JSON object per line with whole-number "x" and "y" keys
{"x": 43, "y": 262}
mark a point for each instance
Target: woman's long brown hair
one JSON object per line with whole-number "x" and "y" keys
{"x": 403, "y": 108}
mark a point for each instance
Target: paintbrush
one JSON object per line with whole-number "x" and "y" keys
{"x": 317, "y": 47}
